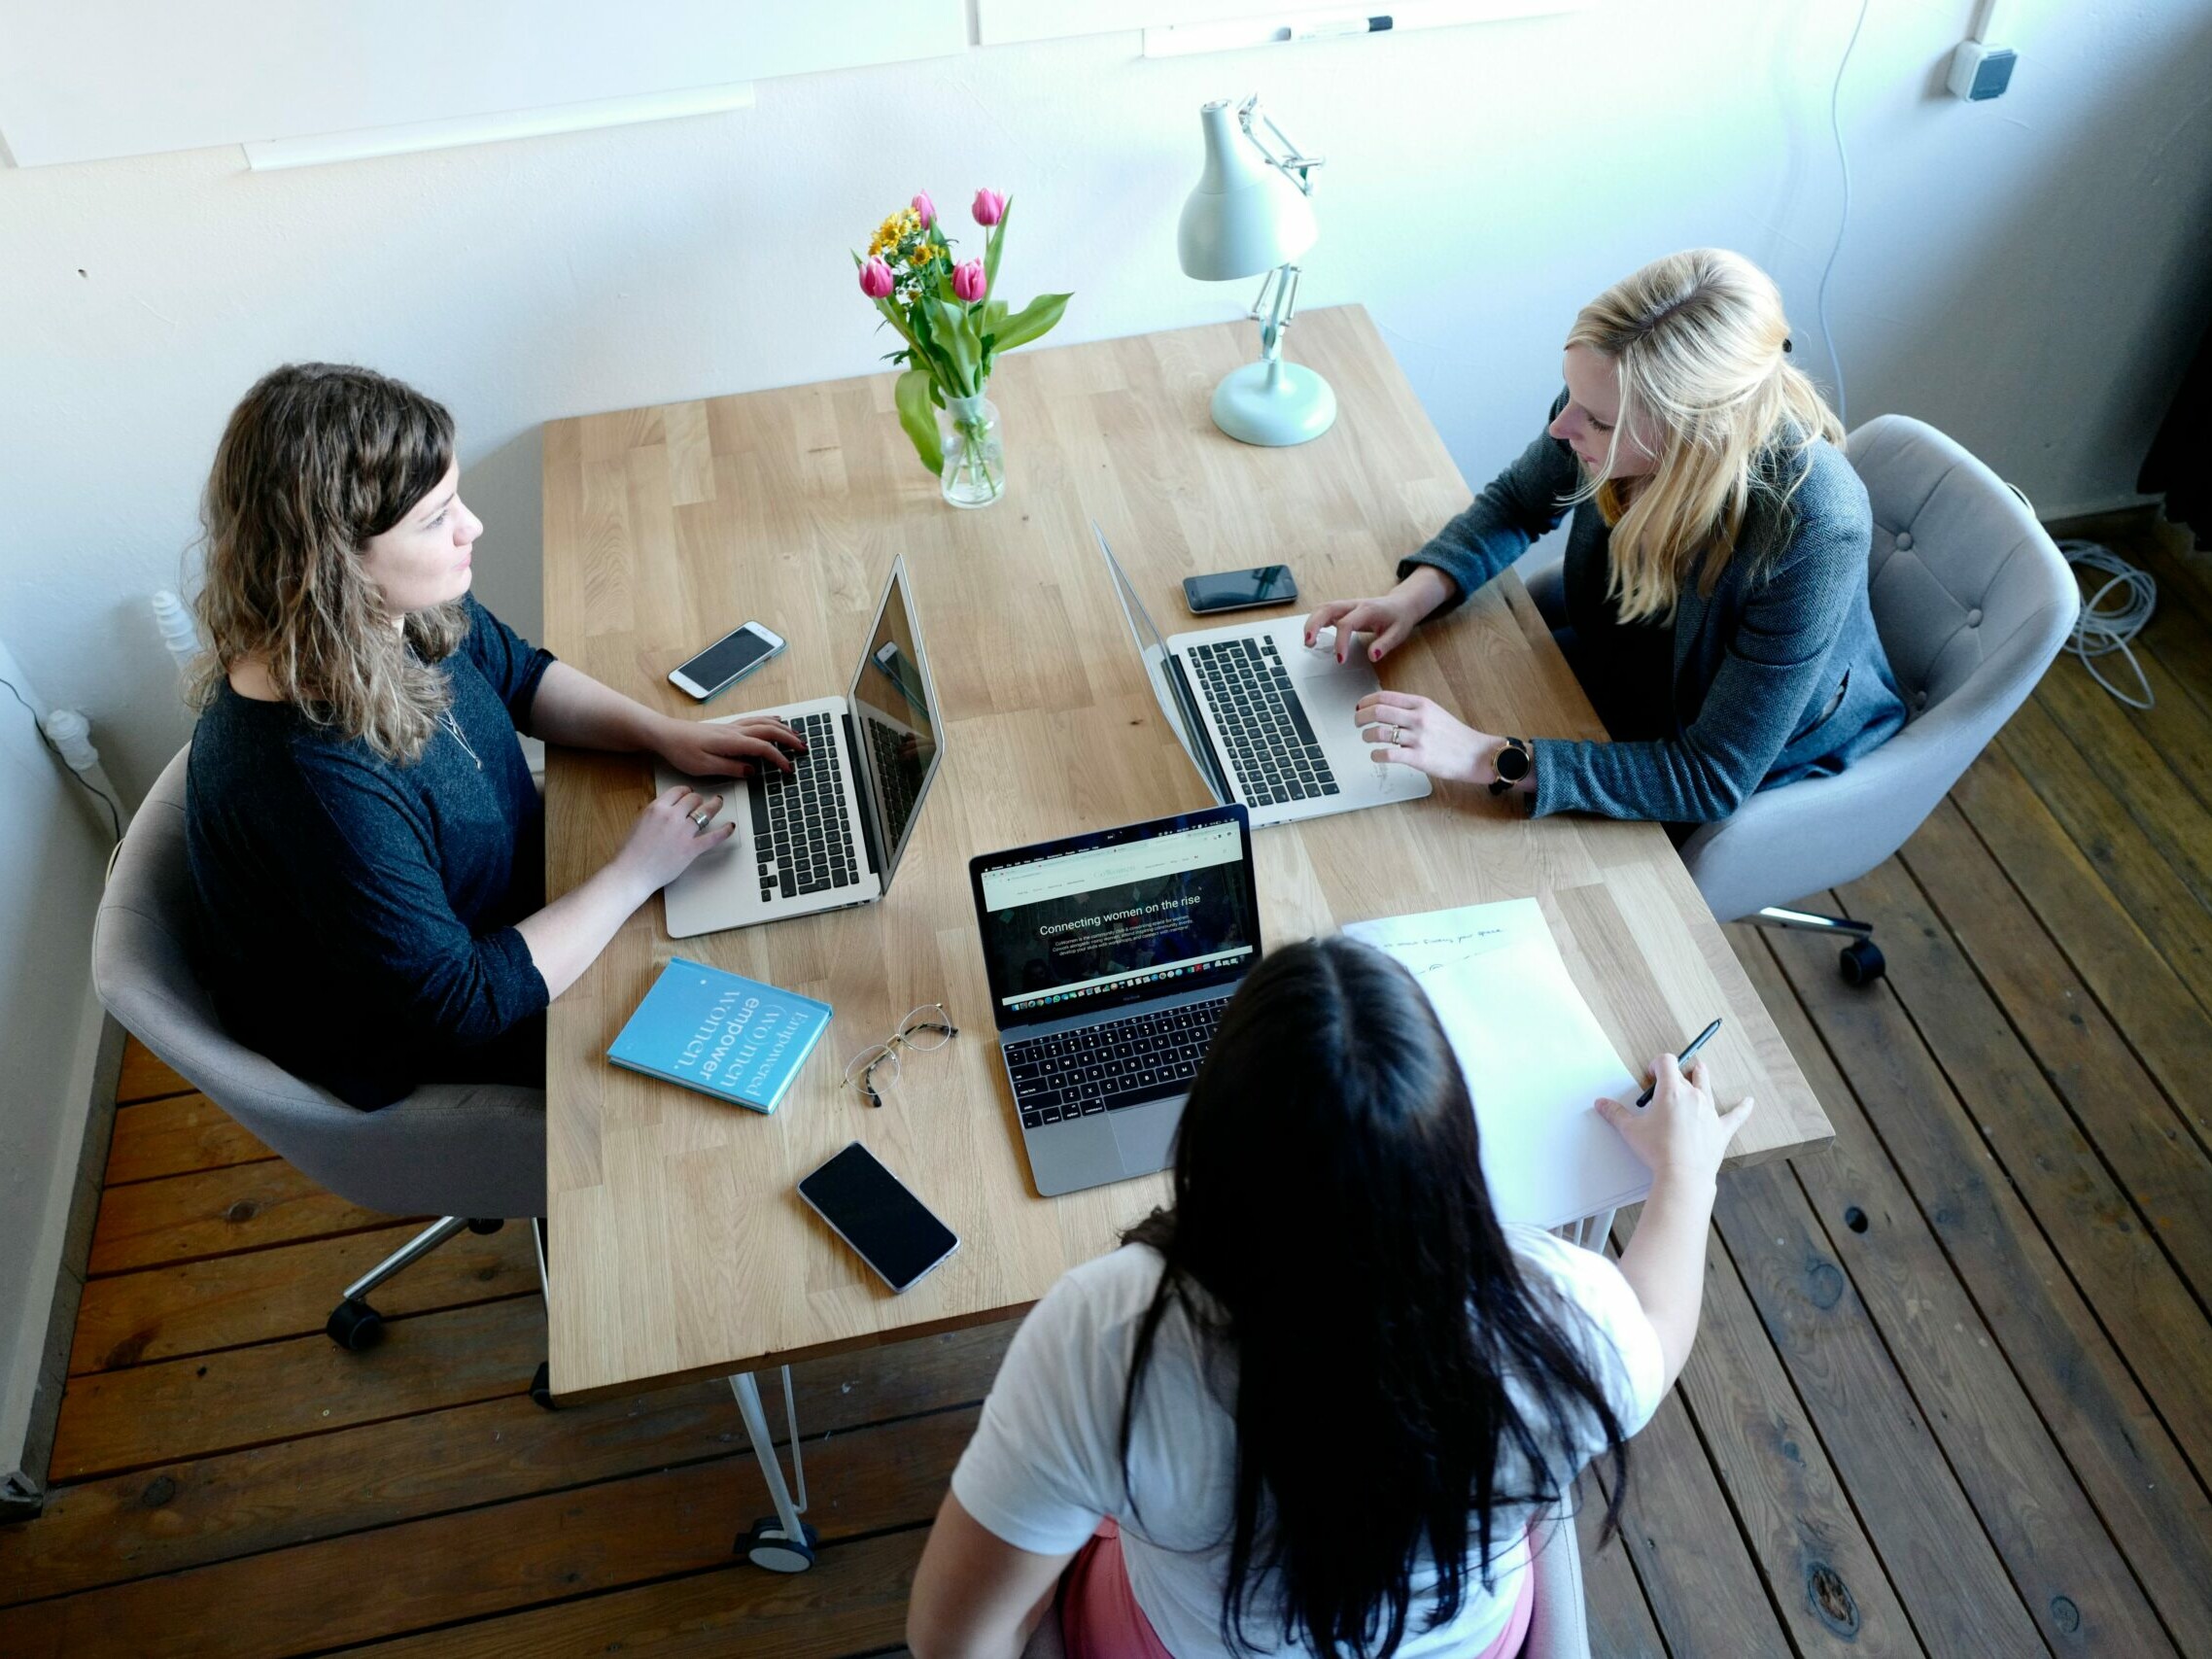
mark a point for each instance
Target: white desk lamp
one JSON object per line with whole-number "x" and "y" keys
{"x": 1250, "y": 213}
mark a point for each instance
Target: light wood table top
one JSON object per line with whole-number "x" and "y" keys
{"x": 680, "y": 1246}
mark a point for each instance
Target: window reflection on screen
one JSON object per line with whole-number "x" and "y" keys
{"x": 895, "y": 724}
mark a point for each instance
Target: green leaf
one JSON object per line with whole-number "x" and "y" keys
{"x": 991, "y": 247}
{"x": 1034, "y": 319}
{"x": 950, "y": 331}
{"x": 918, "y": 417}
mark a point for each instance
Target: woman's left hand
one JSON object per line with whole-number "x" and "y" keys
{"x": 735, "y": 748}
{"x": 1416, "y": 732}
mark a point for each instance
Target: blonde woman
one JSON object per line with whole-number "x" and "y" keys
{"x": 1716, "y": 574}
{"x": 363, "y": 836}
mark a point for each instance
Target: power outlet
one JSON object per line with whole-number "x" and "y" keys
{"x": 1981, "y": 72}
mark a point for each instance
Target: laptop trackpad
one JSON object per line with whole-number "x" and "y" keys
{"x": 1145, "y": 1134}
{"x": 1067, "y": 1157}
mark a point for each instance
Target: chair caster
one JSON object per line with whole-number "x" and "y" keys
{"x": 541, "y": 1388}
{"x": 767, "y": 1546}
{"x": 487, "y": 1223}
{"x": 354, "y": 1325}
{"x": 1862, "y": 963}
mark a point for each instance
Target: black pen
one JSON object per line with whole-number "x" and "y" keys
{"x": 1682, "y": 1060}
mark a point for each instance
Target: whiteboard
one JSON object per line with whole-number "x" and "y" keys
{"x": 83, "y": 79}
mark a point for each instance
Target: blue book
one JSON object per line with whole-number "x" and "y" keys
{"x": 722, "y": 1033}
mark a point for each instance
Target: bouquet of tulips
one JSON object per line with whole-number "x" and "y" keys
{"x": 943, "y": 310}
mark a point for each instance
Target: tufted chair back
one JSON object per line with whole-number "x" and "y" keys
{"x": 446, "y": 1150}
{"x": 1972, "y": 601}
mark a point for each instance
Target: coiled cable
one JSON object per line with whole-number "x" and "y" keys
{"x": 2112, "y": 616}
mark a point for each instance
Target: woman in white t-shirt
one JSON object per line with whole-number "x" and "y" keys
{"x": 1313, "y": 1407}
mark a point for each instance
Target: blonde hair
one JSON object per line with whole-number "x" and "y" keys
{"x": 317, "y": 459}
{"x": 1697, "y": 342}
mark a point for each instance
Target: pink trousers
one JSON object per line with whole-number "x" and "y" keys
{"x": 1100, "y": 1620}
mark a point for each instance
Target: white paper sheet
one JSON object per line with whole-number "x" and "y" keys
{"x": 1533, "y": 1054}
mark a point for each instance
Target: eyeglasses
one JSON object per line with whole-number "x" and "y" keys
{"x": 923, "y": 1029}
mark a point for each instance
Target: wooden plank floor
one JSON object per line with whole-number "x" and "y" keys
{"x": 1952, "y": 1394}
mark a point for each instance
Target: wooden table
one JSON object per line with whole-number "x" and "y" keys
{"x": 679, "y": 1247}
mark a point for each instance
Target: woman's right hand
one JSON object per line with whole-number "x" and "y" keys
{"x": 1679, "y": 1135}
{"x": 667, "y": 838}
{"x": 1390, "y": 619}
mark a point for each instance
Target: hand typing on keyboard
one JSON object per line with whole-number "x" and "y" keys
{"x": 725, "y": 748}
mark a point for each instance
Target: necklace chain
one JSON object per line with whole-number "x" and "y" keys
{"x": 446, "y": 719}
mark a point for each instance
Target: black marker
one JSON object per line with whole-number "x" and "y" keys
{"x": 1682, "y": 1060}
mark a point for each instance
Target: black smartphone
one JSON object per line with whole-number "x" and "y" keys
{"x": 872, "y": 1210}
{"x": 1239, "y": 590}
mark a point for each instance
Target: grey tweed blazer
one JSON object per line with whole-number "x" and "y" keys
{"x": 1778, "y": 673}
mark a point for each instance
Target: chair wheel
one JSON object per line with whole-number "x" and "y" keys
{"x": 1862, "y": 962}
{"x": 767, "y": 1546}
{"x": 354, "y": 1326}
{"x": 487, "y": 1223}
{"x": 542, "y": 1387}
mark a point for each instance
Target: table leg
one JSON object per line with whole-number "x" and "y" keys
{"x": 781, "y": 1542}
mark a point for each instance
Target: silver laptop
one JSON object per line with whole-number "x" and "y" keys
{"x": 830, "y": 832}
{"x": 1111, "y": 957}
{"x": 1265, "y": 719}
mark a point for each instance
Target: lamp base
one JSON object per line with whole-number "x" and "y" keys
{"x": 1275, "y": 404}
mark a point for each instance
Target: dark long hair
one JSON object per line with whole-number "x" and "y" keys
{"x": 1332, "y": 1233}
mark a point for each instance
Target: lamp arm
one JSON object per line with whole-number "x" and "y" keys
{"x": 1293, "y": 164}
{"x": 1284, "y": 281}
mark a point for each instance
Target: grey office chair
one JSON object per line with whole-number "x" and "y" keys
{"x": 1973, "y": 602}
{"x": 1559, "y": 1625}
{"x": 473, "y": 1153}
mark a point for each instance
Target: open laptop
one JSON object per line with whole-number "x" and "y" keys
{"x": 830, "y": 832}
{"x": 1265, "y": 719}
{"x": 1111, "y": 958}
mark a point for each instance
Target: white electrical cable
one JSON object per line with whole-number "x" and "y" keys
{"x": 1843, "y": 222}
{"x": 2103, "y": 628}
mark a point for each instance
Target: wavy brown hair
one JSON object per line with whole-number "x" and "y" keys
{"x": 316, "y": 460}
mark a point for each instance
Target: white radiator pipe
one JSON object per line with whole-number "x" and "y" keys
{"x": 72, "y": 734}
{"x": 175, "y": 621}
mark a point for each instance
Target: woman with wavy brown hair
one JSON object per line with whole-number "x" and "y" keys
{"x": 363, "y": 835}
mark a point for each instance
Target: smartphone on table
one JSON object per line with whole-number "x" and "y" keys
{"x": 873, "y": 1210}
{"x": 726, "y": 661}
{"x": 1239, "y": 590}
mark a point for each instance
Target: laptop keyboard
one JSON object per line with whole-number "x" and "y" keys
{"x": 1118, "y": 1064}
{"x": 1270, "y": 742}
{"x": 802, "y": 839}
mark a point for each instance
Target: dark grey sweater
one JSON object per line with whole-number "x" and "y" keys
{"x": 357, "y": 916}
{"x": 1777, "y": 674}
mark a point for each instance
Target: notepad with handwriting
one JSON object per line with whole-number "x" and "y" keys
{"x": 1533, "y": 1054}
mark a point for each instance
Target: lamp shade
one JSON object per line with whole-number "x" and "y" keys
{"x": 1245, "y": 217}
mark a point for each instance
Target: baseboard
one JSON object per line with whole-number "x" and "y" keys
{"x": 22, "y": 1485}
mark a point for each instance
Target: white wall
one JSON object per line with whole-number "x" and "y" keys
{"x": 54, "y": 841}
{"x": 2030, "y": 274}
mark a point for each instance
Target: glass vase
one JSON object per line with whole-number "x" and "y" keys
{"x": 975, "y": 454}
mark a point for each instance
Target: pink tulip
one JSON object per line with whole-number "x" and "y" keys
{"x": 989, "y": 208}
{"x": 875, "y": 280}
{"x": 926, "y": 210}
{"x": 968, "y": 281}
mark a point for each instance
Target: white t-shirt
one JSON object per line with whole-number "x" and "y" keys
{"x": 1045, "y": 1466}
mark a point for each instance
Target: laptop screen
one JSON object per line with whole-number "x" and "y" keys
{"x": 1124, "y": 916}
{"x": 895, "y": 721}
{"x": 1165, "y": 674}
